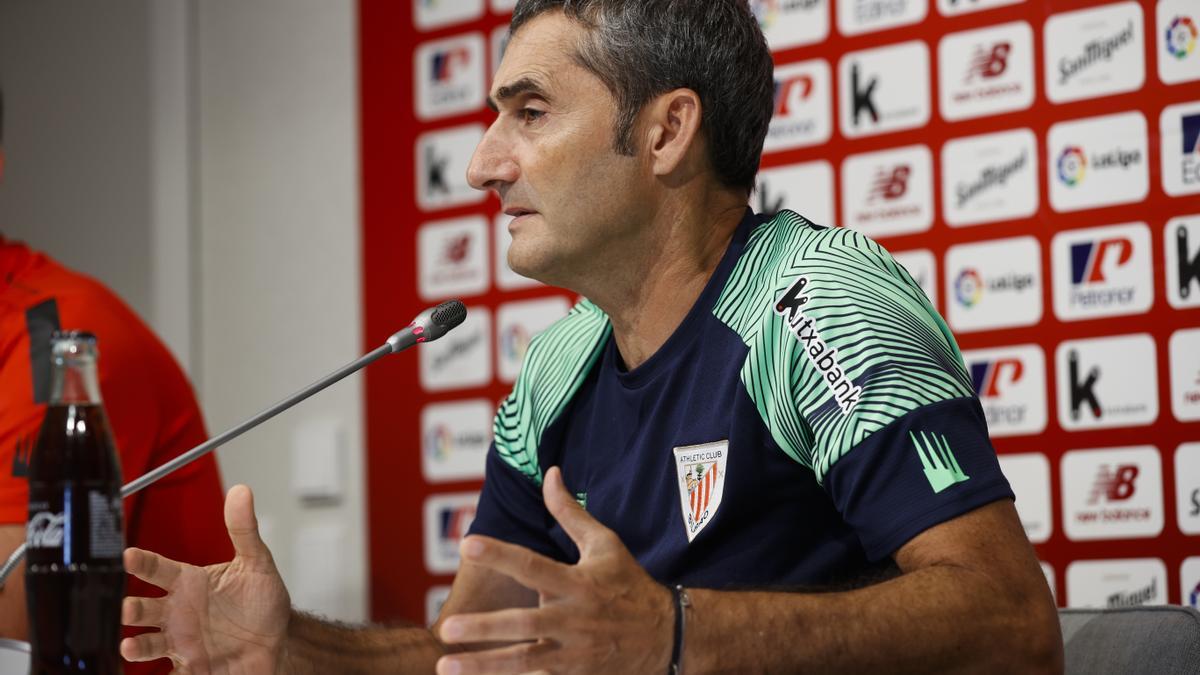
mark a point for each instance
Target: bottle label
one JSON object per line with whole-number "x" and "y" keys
{"x": 104, "y": 514}
{"x": 45, "y": 530}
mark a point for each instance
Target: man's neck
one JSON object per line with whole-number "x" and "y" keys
{"x": 682, "y": 249}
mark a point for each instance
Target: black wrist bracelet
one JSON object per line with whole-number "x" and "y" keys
{"x": 682, "y": 602}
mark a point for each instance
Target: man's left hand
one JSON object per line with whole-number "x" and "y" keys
{"x": 601, "y": 615}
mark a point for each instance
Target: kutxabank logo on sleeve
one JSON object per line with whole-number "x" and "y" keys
{"x": 1184, "y": 348}
{"x": 1011, "y": 385}
{"x": 1107, "y": 382}
{"x": 791, "y": 23}
{"x": 806, "y": 189}
{"x": 447, "y": 517}
{"x": 430, "y": 14}
{"x": 1179, "y": 132}
{"x": 986, "y": 71}
{"x": 989, "y": 178}
{"x": 1112, "y": 493}
{"x": 1029, "y": 476}
{"x": 442, "y": 159}
{"x": 855, "y": 17}
{"x": 450, "y": 76}
{"x": 454, "y": 439}
{"x": 823, "y": 358}
{"x": 452, "y": 258}
{"x": 922, "y": 266}
{"x": 883, "y": 90}
{"x": 994, "y": 284}
{"x": 1181, "y": 239}
{"x": 517, "y": 323}
{"x": 1187, "y": 488}
{"x": 1094, "y": 52}
{"x": 1178, "y": 41}
{"x": 888, "y": 193}
{"x": 1111, "y": 584}
{"x": 462, "y": 358}
{"x": 955, "y": 7}
{"x": 1102, "y": 271}
{"x": 803, "y": 106}
{"x": 701, "y": 481}
{"x": 1097, "y": 161}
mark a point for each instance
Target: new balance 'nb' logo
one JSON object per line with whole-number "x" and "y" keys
{"x": 941, "y": 469}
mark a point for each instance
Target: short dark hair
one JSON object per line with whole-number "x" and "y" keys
{"x": 643, "y": 48}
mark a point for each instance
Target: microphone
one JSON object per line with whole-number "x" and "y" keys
{"x": 428, "y": 326}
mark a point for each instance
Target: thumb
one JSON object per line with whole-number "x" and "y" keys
{"x": 242, "y": 524}
{"x": 583, "y": 529}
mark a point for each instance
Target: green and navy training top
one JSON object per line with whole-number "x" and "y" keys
{"x": 809, "y": 416}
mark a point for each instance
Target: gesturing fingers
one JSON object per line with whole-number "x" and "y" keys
{"x": 583, "y": 529}
{"x": 506, "y": 625}
{"x": 532, "y": 570}
{"x": 145, "y": 647}
{"x": 143, "y": 612}
{"x": 522, "y": 658}
{"x": 152, "y": 568}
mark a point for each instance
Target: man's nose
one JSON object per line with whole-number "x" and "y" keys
{"x": 492, "y": 165}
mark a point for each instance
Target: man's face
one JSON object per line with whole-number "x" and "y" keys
{"x": 549, "y": 156}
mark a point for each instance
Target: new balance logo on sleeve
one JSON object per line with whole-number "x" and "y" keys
{"x": 941, "y": 469}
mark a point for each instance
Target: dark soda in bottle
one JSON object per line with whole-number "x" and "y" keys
{"x": 74, "y": 577}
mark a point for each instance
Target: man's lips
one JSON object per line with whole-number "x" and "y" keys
{"x": 517, "y": 211}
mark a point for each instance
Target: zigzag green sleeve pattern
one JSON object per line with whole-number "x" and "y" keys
{"x": 842, "y": 340}
{"x": 558, "y": 361}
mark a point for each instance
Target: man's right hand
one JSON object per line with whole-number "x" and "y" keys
{"x": 226, "y": 618}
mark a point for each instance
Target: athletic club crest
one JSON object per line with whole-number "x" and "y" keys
{"x": 701, "y": 471}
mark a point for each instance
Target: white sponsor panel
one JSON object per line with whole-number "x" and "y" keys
{"x": 883, "y": 90}
{"x": 806, "y": 189}
{"x": 1184, "y": 348}
{"x": 506, "y": 279}
{"x": 1111, "y": 584}
{"x": 986, "y": 71}
{"x": 1011, "y": 385}
{"x": 1179, "y": 132}
{"x": 855, "y": 17}
{"x": 452, "y": 258}
{"x": 1048, "y": 572}
{"x": 1112, "y": 493}
{"x": 803, "y": 106}
{"x": 516, "y": 324}
{"x": 430, "y": 14}
{"x": 460, "y": 359}
{"x": 454, "y": 439}
{"x": 888, "y": 193}
{"x": 503, "y": 6}
{"x": 994, "y": 284}
{"x": 450, "y": 76}
{"x": 989, "y": 178}
{"x": 1097, "y": 161}
{"x": 1107, "y": 382}
{"x": 1029, "y": 476}
{"x": 1187, "y": 488}
{"x": 1102, "y": 271}
{"x": 791, "y": 23}
{"x": 435, "y": 599}
{"x": 1178, "y": 45}
{"x": 922, "y": 266}
{"x": 1189, "y": 586}
{"x": 442, "y": 160}
{"x": 956, "y": 7}
{"x": 1181, "y": 241}
{"x": 1094, "y": 52}
{"x": 447, "y": 518}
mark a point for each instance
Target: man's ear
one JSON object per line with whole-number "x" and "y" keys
{"x": 673, "y": 125}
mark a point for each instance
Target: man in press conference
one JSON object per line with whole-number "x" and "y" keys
{"x": 753, "y": 447}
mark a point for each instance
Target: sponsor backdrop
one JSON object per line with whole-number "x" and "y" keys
{"x": 1035, "y": 166}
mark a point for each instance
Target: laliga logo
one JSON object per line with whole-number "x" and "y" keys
{"x": 767, "y": 11}
{"x": 439, "y": 442}
{"x": 514, "y": 342}
{"x": 968, "y": 287}
{"x": 1072, "y": 165}
{"x": 986, "y": 375}
{"x": 1181, "y": 37}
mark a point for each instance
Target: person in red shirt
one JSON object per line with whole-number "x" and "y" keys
{"x": 151, "y": 409}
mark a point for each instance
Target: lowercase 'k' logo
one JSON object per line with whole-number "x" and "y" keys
{"x": 941, "y": 469}
{"x": 701, "y": 482}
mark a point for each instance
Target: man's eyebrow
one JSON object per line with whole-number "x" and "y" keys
{"x": 525, "y": 85}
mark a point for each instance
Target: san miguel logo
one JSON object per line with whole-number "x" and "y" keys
{"x": 823, "y": 357}
{"x": 701, "y": 482}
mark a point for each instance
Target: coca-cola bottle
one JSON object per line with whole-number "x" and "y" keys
{"x": 74, "y": 577}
